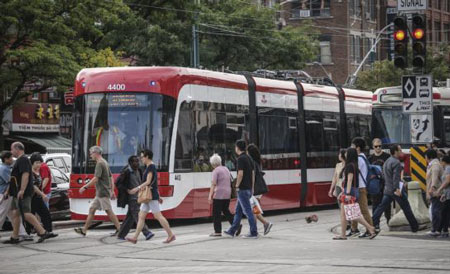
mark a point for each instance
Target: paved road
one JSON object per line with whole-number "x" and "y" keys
{"x": 293, "y": 246}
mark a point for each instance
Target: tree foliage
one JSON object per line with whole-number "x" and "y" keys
{"x": 385, "y": 74}
{"x": 235, "y": 34}
{"x": 44, "y": 43}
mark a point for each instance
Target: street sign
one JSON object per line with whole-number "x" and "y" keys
{"x": 411, "y": 5}
{"x": 68, "y": 98}
{"x": 417, "y": 94}
{"x": 421, "y": 128}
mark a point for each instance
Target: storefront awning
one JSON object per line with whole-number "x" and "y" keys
{"x": 52, "y": 143}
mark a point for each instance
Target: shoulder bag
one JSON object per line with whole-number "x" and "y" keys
{"x": 145, "y": 193}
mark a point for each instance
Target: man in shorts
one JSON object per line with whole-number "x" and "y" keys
{"x": 21, "y": 189}
{"x": 104, "y": 191}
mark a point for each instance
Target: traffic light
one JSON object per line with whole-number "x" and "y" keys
{"x": 400, "y": 42}
{"x": 419, "y": 40}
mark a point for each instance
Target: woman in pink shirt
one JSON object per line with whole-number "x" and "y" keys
{"x": 220, "y": 194}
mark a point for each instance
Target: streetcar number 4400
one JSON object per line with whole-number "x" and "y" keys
{"x": 116, "y": 87}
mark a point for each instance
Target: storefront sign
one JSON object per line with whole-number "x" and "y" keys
{"x": 36, "y": 117}
{"x": 65, "y": 124}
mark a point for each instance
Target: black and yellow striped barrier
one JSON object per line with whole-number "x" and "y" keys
{"x": 418, "y": 166}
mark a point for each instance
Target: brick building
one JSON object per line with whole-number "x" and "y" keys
{"x": 347, "y": 30}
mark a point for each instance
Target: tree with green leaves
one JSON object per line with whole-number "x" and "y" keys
{"x": 385, "y": 74}
{"x": 44, "y": 43}
{"x": 234, "y": 34}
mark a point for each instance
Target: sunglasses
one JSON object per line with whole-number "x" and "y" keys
{"x": 376, "y": 146}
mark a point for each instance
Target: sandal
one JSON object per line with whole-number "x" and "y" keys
{"x": 131, "y": 240}
{"x": 80, "y": 231}
{"x": 339, "y": 238}
{"x": 170, "y": 239}
{"x": 373, "y": 235}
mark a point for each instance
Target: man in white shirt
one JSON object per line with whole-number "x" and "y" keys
{"x": 360, "y": 144}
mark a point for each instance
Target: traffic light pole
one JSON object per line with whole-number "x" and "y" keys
{"x": 352, "y": 78}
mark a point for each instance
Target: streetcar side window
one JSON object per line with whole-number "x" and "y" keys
{"x": 183, "y": 150}
{"x": 206, "y": 128}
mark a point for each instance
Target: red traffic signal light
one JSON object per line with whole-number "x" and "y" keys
{"x": 418, "y": 34}
{"x": 399, "y": 35}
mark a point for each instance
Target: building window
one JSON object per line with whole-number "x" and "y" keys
{"x": 53, "y": 95}
{"x": 35, "y": 96}
{"x": 355, "y": 50}
{"x": 355, "y": 8}
{"x": 446, "y": 34}
{"x": 437, "y": 30}
{"x": 311, "y": 8}
{"x": 325, "y": 52}
{"x": 369, "y": 44}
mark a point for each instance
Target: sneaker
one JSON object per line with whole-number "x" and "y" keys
{"x": 43, "y": 237}
{"x": 444, "y": 235}
{"x": 433, "y": 233}
{"x": 377, "y": 229}
{"x": 228, "y": 234}
{"x": 238, "y": 231}
{"x": 365, "y": 235}
{"x": 215, "y": 235}
{"x": 267, "y": 228}
{"x": 249, "y": 236}
{"x": 149, "y": 236}
{"x": 352, "y": 233}
{"x": 12, "y": 241}
{"x": 121, "y": 238}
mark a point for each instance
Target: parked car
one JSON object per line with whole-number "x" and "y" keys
{"x": 63, "y": 161}
{"x": 59, "y": 201}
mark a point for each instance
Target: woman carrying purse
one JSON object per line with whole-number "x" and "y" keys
{"x": 151, "y": 181}
{"x": 350, "y": 187}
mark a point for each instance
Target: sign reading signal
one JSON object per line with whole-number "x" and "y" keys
{"x": 411, "y": 5}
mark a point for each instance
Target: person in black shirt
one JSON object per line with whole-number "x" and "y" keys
{"x": 351, "y": 178}
{"x": 378, "y": 158}
{"x": 21, "y": 189}
{"x": 244, "y": 184}
{"x": 39, "y": 199}
{"x": 128, "y": 181}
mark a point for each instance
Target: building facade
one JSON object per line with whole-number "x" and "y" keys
{"x": 347, "y": 30}
{"x": 37, "y": 122}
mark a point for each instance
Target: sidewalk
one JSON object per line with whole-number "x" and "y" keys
{"x": 292, "y": 246}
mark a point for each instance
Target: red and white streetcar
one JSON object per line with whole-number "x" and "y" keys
{"x": 185, "y": 115}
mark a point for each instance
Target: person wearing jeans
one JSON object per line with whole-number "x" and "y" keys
{"x": 391, "y": 173}
{"x": 360, "y": 144}
{"x": 244, "y": 184}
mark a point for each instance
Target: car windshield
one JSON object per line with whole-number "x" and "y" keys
{"x": 391, "y": 125}
{"x": 122, "y": 125}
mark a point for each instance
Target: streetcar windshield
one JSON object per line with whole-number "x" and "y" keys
{"x": 122, "y": 124}
{"x": 391, "y": 125}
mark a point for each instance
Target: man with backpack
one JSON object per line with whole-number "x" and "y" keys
{"x": 360, "y": 144}
{"x": 393, "y": 189}
{"x": 378, "y": 158}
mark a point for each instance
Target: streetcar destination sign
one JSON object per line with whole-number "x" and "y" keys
{"x": 411, "y": 5}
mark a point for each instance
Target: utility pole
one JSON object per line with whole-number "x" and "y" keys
{"x": 195, "y": 48}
